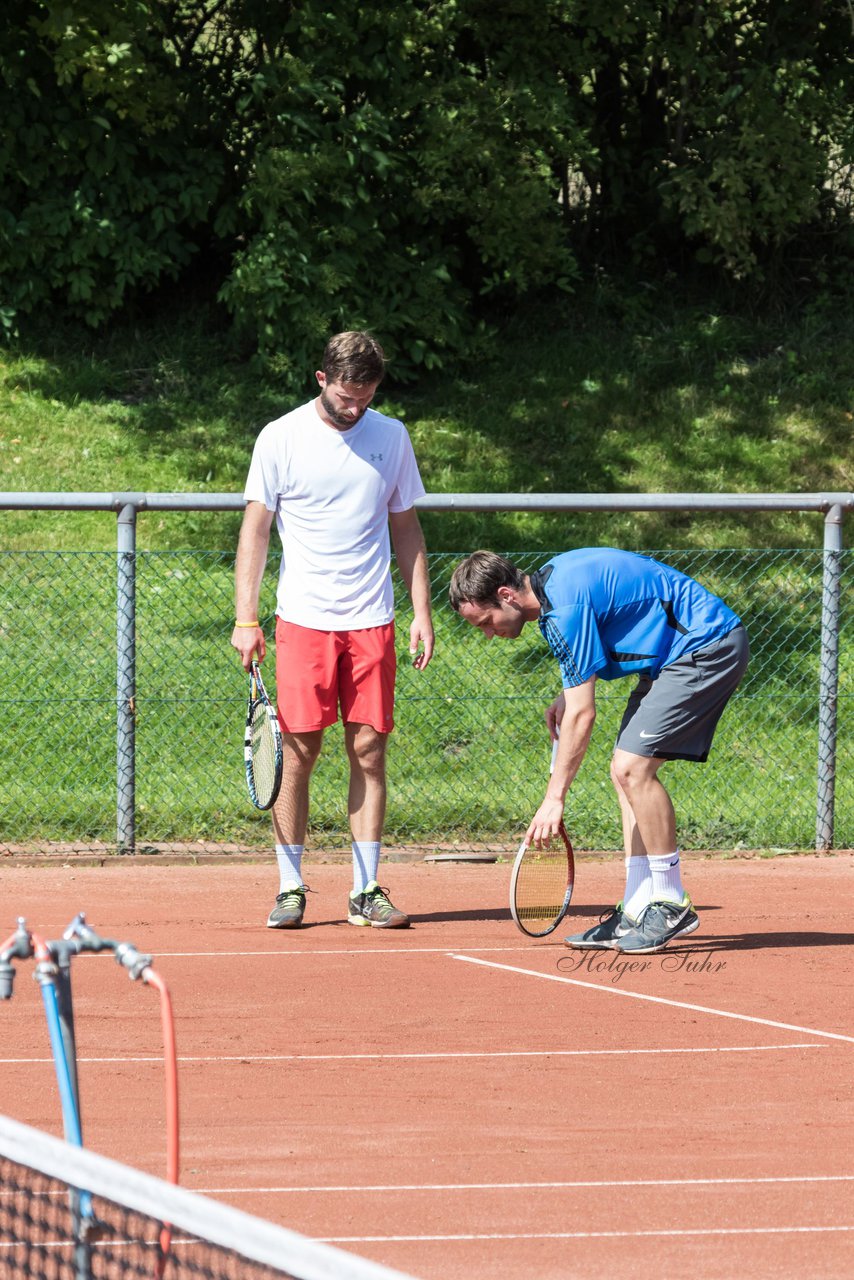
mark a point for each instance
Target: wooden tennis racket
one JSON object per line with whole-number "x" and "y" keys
{"x": 262, "y": 744}
{"x": 541, "y": 883}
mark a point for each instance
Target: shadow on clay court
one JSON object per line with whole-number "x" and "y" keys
{"x": 503, "y": 913}
{"x": 768, "y": 941}
{"x": 496, "y": 913}
{"x": 487, "y": 913}
{"x": 585, "y": 912}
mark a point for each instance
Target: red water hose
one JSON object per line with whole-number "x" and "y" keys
{"x": 170, "y": 1058}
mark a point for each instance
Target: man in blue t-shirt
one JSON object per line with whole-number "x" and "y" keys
{"x": 605, "y": 614}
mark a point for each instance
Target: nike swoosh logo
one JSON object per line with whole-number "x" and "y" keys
{"x": 648, "y": 735}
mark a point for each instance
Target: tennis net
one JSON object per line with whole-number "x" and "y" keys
{"x": 69, "y": 1214}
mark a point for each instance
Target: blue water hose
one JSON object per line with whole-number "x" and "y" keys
{"x": 46, "y": 976}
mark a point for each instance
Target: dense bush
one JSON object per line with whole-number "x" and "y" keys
{"x": 108, "y": 179}
{"x": 395, "y": 166}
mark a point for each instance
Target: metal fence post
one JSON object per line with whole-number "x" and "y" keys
{"x": 126, "y": 678}
{"x": 828, "y": 677}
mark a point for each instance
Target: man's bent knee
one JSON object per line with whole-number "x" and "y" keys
{"x": 628, "y": 771}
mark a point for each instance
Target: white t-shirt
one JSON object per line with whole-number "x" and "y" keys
{"x": 332, "y": 492}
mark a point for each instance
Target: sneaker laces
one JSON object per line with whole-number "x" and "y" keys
{"x": 292, "y": 897}
{"x": 667, "y": 906}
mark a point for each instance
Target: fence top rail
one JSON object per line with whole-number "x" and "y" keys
{"x": 72, "y": 501}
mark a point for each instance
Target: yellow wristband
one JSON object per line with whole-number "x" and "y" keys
{"x": 247, "y": 624}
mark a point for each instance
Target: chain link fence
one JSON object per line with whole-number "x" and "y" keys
{"x": 468, "y": 760}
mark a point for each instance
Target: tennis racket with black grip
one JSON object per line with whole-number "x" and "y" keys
{"x": 262, "y": 744}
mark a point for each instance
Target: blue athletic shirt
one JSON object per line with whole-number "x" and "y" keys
{"x": 613, "y": 613}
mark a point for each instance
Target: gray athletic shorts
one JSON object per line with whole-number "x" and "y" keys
{"x": 674, "y": 716}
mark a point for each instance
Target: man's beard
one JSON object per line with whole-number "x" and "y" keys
{"x": 340, "y": 420}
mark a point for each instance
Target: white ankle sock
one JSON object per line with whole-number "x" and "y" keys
{"x": 289, "y": 858}
{"x": 638, "y": 892}
{"x": 366, "y": 861}
{"x": 666, "y": 878}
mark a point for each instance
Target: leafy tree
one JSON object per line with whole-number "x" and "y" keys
{"x": 400, "y": 166}
{"x": 719, "y": 129}
{"x": 398, "y": 178}
{"x": 109, "y": 180}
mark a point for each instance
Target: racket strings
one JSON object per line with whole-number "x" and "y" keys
{"x": 541, "y": 885}
{"x": 263, "y": 753}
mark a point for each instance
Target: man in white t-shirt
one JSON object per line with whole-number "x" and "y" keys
{"x": 337, "y": 476}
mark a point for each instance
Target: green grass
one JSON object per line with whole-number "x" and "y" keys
{"x": 636, "y": 393}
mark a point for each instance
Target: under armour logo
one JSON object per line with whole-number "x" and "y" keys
{"x": 376, "y": 457}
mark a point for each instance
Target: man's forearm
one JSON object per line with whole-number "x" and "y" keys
{"x": 250, "y": 563}
{"x": 411, "y": 554}
{"x": 575, "y": 731}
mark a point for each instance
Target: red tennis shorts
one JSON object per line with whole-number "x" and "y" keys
{"x": 318, "y": 671}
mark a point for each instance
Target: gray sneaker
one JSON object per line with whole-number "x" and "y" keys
{"x": 659, "y": 923}
{"x": 612, "y": 925}
{"x": 374, "y": 907}
{"x": 289, "y": 909}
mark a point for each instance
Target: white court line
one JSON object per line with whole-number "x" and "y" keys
{"x": 586, "y": 1235}
{"x": 526, "y": 1186}
{"x": 337, "y": 951}
{"x": 468, "y": 1053}
{"x": 531, "y": 1235}
{"x": 456, "y": 1187}
{"x": 637, "y": 995}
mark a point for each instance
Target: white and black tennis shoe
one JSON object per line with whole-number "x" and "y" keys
{"x": 658, "y": 924}
{"x": 612, "y": 926}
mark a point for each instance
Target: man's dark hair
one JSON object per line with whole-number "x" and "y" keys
{"x": 354, "y": 357}
{"x": 477, "y": 578}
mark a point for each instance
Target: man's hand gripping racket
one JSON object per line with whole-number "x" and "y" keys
{"x": 541, "y": 882}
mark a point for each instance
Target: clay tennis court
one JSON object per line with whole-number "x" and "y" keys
{"x": 456, "y": 1100}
